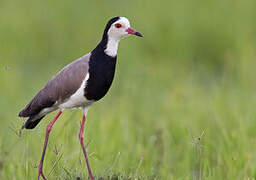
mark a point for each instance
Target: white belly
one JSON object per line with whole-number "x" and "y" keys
{"x": 77, "y": 100}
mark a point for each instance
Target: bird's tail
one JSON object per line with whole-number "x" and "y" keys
{"x": 32, "y": 122}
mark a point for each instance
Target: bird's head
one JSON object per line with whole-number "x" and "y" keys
{"x": 118, "y": 28}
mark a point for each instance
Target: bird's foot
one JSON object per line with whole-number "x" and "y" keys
{"x": 40, "y": 173}
{"x": 91, "y": 177}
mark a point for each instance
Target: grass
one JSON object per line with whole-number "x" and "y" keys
{"x": 182, "y": 105}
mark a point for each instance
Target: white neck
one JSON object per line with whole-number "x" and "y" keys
{"x": 112, "y": 47}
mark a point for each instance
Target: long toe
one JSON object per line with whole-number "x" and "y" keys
{"x": 42, "y": 176}
{"x": 40, "y": 173}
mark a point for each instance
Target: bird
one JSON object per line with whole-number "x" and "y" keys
{"x": 79, "y": 85}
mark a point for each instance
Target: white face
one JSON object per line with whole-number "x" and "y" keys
{"x": 118, "y": 29}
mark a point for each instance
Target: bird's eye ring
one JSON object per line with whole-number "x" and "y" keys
{"x": 118, "y": 25}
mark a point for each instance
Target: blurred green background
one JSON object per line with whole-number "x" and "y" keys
{"x": 182, "y": 105}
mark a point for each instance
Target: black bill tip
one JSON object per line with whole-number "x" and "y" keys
{"x": 138, "y": 34}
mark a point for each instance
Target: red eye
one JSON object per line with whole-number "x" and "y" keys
{"x": 118, "y": 25}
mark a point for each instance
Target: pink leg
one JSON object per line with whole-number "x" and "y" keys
{"x": 48, "y": 130}
{"x": 81, "y": 138}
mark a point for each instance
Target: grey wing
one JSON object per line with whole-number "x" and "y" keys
{"x": 59, "y": 88}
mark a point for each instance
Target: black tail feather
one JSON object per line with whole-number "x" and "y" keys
{"x": 31, "y": 123}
